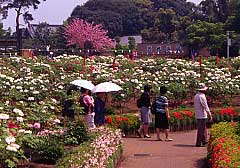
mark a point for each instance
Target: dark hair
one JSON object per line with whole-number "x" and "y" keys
{"x": 163, "y": 90}
{"x": 147, "y": 88}
{"x": 83, "y": 90}
{"x": 71, "y": 88}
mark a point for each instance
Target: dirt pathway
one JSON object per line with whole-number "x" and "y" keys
{"x": 149, "y": 153}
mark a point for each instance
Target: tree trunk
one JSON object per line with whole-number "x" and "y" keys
{"x": 19, "y": 42}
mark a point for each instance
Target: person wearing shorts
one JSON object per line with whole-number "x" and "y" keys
{"x": 145, "y": 112}
{"x": 162, "y": 114}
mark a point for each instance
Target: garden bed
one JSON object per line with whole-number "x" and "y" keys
{"x": 182, "y": 119}
{"x": 103, "y": 149}
{"x": 32, "y": 91}
{"x": 224, "y": 145}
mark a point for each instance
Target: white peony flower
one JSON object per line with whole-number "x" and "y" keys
{"x": 21, "y": 130}
{"x": 57, "y": 121}
{"x": 13, "y": 147}
{"x": 19, "y": 87}
{"x": 10, "y": 139}
{"x": 4, "y": 116}
{"x": 35, "y": 92}
{"x": 17, "y": 110}
{"x": 30, "y": 98}
{"x": 20, "y": 119}
{"x": 28, "y": 132}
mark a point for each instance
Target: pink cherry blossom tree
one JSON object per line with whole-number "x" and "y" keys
{"x": 80, "y": 33}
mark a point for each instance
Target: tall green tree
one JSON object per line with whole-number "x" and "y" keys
{"x": 42, "y": 36}
{"x": 119, "y": 17}
{"x": 58, "y": 39}
{"x": 206, "y": 34}
{"x": 181, "y": 7}
{"x": 233, "y": 21}
{"x": 167, "y": 22}
{"x": 215, "y": 10}
{"x": 153, "y": 35}
{"x": 131, "y": 43}
{"x": 21, "y": 7}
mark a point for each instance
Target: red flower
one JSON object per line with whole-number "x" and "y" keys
{"x": 118, "y": 119}
{"x": 188, "y": 113}
{"x": 108, "y": 120}
{"x": 12, "y": 125}
{"x": 228, "y": 111}
{"x": 125, "y": 119}
{"x": 178, "y": 115}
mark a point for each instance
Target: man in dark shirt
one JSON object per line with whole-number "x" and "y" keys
{"x": 145, "y": 112}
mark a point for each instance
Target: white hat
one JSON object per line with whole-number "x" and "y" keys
{"x": 202, "y": 86}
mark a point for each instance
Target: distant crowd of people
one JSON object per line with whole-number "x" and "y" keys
{"x": 159, "y": 108}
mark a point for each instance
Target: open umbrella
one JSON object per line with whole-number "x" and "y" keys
{"x": 83, "y": 83}
{"x": 106, "y": 87}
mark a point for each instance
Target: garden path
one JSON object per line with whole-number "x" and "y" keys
{"x": 149, "y": 153}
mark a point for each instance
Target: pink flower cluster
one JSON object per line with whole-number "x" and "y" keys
{"x": 78, "y": 32}
{"x": 101, "y": 149}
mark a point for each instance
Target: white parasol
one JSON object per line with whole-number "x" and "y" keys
{"x": 83, "y": 83}
{"x": 106, "y": 87}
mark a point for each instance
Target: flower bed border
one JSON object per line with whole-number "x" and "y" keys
{"x": 224, "y": 146}
{"x": 93, "y": 148}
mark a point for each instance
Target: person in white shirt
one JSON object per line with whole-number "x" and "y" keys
{"x": 202, "y": 113}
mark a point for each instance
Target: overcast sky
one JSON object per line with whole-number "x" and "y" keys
{"x": 52, "y": 12}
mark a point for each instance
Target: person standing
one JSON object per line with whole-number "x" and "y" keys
{"x": 68, "y": 103}
{"x": 87, "y": 102}
{"x": 162, "y": 115}
{"x": 99, "y": 109}
{"x": 202, "y": 113}
{"x": 145, "y": 112}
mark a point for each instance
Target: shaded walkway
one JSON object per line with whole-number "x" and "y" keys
{"x": 148, "y": 153}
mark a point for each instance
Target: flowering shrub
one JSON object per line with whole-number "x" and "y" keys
{"x": 226, "y": 114}
{"x": 224, "y": 146}
{"x": 43, "y": 149}
{"x": 128, "y": 123}
{"x": 97, "y": 153}
{"x": 227, "y": 111}
{"x": 12, "y": 130}
{"x": 40, "y": 80}
{"x": 182, "y": 117}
